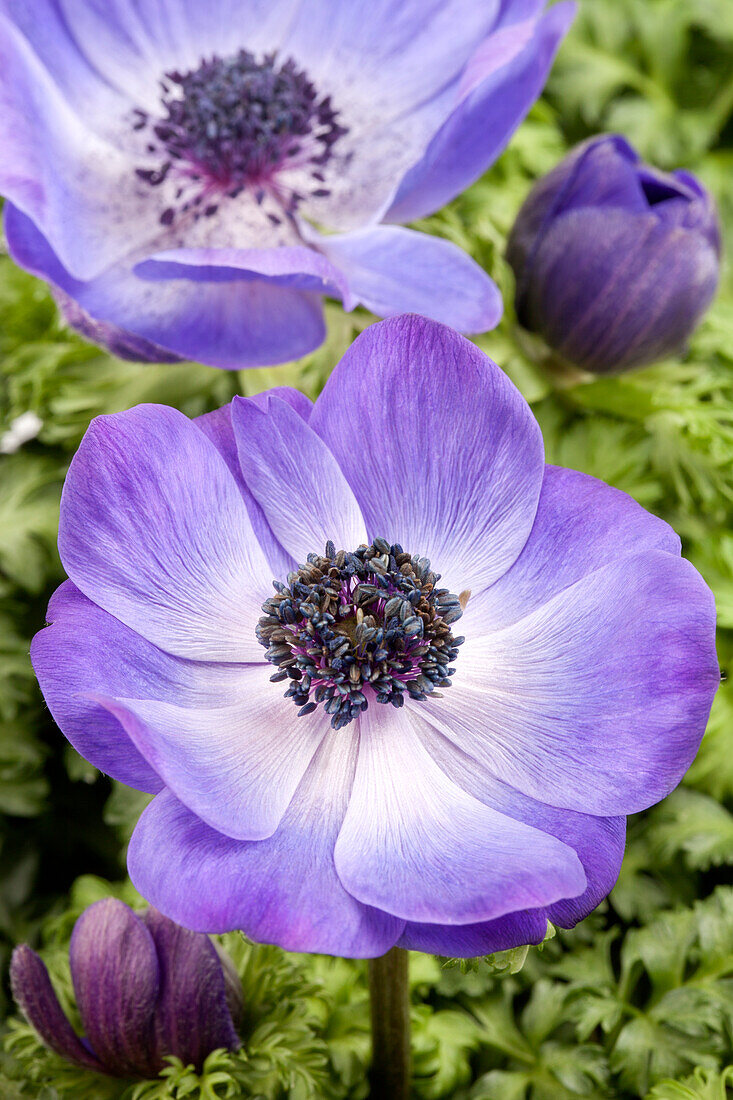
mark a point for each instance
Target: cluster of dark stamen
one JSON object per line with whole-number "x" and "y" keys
{"x": 347, "y": 628}
{"x": 232, "y": 124}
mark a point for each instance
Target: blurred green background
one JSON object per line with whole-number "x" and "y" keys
{"x": 637, "y": 1001}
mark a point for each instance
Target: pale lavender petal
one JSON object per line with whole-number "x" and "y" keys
{"x": 444, "y": 455}
{"x": 115, "y": 51}
{"x": 295, "y": 479}
{"x": 114, "y": 968}
{"x": 392, "y": 270}
{"x": 600, "y": 845}
{"x": 598, "y": 841}
{"x": 416, "y": 845}
{"x": 36, "y": 998}
{"x": 125, "y": 345}
{"x": 154, "y": 529}
{"x": 232, "y": 324}
{"x": 470, "y": 940}
{"x": 514, "y": 11}
{"x": 86, "y": 652}
{"x": 86, "y": 649}
{"x": 281, "y": 890}
{"x": 209, "y": 28}
{"x": 423, "y": 44}
{"x": 502, "y": 84}
{"x": 237, "y": 765}
{"x": 192, "y": 1016}
{"x": 581, "y": 525}
{"x": 298, "y": 267}
{"x": 77, "y": 187}
{"x": 297, "y": 400}
{"x": 217, "y": 426}
{"x": 597, "y": 700}
{"x": 74, "y": 70}
{"x": 347, "y": 49}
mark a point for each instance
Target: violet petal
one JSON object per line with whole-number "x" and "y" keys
{"x": 114, "y": 968}
{"x": 37, "y": 999}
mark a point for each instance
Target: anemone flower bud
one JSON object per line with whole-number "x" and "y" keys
{"x": 615, "y": 261}
{"x": 145, "y": 988}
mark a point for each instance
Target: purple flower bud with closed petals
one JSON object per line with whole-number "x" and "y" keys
{"x": 145, "y": 988}
{"x": 615, "y": 261}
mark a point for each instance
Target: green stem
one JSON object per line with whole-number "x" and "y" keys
{"x": 389, "y": 993}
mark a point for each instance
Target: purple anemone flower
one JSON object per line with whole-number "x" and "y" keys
{"x": 615, "y": 261}
{"x": 144, "y": 987}
{"x": 336, "y": 769}
{"x": 191, "y": 177}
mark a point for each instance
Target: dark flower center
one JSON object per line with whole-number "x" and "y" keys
{"x": 235, "y": 123}
{"x": 348, "y": 628}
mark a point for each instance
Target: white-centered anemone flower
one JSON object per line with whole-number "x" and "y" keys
{"x": 192, "y": 176}
{"x": 470, "y": 667}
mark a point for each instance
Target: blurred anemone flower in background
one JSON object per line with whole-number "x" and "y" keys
{"x": 191, "y": 178}
{"x": 144, "y": 987}
{"x": 336, "y": 769}
{"x": 615, "y": 261}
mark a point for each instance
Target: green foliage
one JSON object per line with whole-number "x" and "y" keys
{"x": 658, "y": 71}
{"x": 703, "y": 1085}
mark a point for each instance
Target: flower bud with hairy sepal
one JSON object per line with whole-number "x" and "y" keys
{"x": 615, "y": 261}
{"x": 145, "y": 988}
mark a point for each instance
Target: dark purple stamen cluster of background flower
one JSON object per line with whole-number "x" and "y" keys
{"x": 347, "y": 622}
{"x": 233, "y": 123}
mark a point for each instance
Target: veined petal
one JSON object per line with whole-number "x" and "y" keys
{"x": 192, "y": 1016}
{"x": 154, "y": 530}
{"x": 86, "y": 651}
{"x": 94, "y": 49}
{"x": 72, "y": 69}
{"x": 77, "y": 187}
{"x": 114, "y": 968}
{"x": 239, "y": 322}
{"x": 392, "y": 270}
{"x": 514, "y": 11}
{"x": 611, "y": 316}
{"x": 84, "y": 647}
{"x": 295, "y": 479}
{"x": 36, "y": 998}
{"x": 581, "y": 525}
{"x": 347, "y": 49}
{"x": 466, "y": 941}
{"x": 217, "y": 426}
{"x": 502, "y": 83}
{"x": 237, "y": 766}
{"x": 298, "y": 267}
{"x": 444, "y": 456}
{"x": 598, "y": 841}
{"x": 280, "y": 890}
{"x": 416, "y": 845}
{"x": 597, "y": 700}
